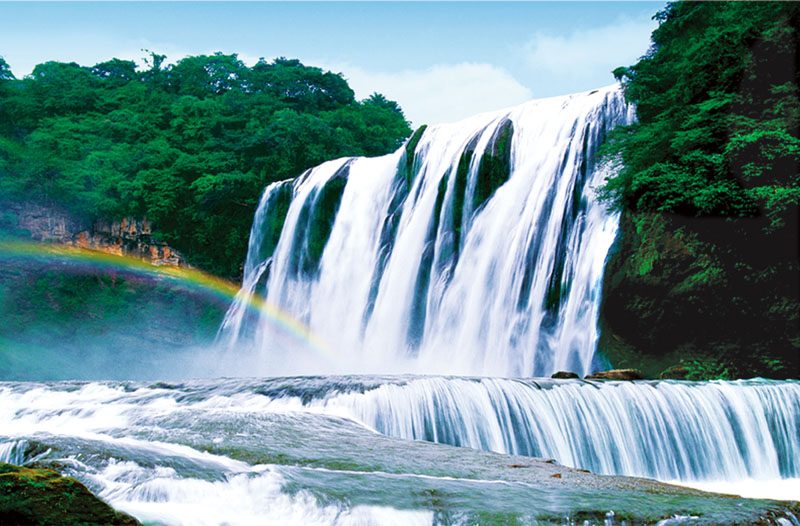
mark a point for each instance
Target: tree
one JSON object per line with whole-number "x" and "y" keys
{"x": 5, "y": 71}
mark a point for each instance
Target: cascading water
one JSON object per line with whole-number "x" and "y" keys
{"x": 476, "y": 249}
{"x": 681, "y": 431}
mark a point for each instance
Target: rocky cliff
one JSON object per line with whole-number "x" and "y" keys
{"x": 127, "y": 236}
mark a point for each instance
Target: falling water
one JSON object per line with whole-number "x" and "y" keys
{"x": 477, "y": 248}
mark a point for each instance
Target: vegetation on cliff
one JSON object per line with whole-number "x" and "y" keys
{"x": 705, "y": 270}
{"x": 190, "y": 145}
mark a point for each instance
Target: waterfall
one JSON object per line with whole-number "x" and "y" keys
{"x": 668, "y": 430}
{"x": 476, "y": 248}
{"x": 744, "y": 433}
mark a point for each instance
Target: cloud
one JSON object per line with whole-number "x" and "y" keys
{"x": 586, "y": 57}
{"x": 441, "y": 93}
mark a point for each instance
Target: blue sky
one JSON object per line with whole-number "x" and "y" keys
{"x": 442, "y": 61}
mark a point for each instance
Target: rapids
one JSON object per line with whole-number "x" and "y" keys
{"x": 290, "y": 451}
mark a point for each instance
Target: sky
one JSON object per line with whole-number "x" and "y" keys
{"x": 441, "y": 61}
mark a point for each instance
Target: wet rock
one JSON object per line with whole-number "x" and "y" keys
{"x": 43, "y": 497}
{"x": 617, "y": 374}
{"x": 564, "y": 375}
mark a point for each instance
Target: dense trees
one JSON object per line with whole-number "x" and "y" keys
{"x": 188, "y": 145}
{"x": 707, "y": 265}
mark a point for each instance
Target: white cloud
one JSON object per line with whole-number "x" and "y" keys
{"x": 441, "y": 93}
{"x": 584, "y": 58}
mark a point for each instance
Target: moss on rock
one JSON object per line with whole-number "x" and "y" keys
{"x": 407, "y": 165}
{"x": 495, "y": 166}
{"x": 315, "y": 223}
{"x": 43, "y": 497}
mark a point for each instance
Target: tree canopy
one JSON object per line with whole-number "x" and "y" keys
{"x": 189, "y": 145}
{"x": 719, "y": 108}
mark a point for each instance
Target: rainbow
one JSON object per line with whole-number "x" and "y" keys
{"x": 190, "y": 277}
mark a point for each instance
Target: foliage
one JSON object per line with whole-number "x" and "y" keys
{"x": 718, "y": 108}
{"x": 702, "y": 370}
{"x": 189, "y": 145}
{"x": 709, "y": 186}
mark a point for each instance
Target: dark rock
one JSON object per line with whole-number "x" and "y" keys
{"x": 677, "y": 372}
{"x": 43, "y": 497}
{"x": 564, "y": 374}
{"x": 617, "y": 374}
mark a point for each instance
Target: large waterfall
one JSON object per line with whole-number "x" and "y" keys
{"x": 477, "y": 248}
{"x": 461, "y": 269}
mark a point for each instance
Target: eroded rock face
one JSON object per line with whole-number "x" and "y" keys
{"x": 43, "y": 497}
{"x": 126, "y": 237}
{"x": 44, "y": 223}
{"x": 617, "y": 374}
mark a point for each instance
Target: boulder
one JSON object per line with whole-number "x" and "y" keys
{"x": 564, "y": 375}
{"x": 617, "y": 374}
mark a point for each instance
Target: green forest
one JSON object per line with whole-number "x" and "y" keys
{"x": 189, "y": 145}
{"x": 705, "y": 270}
{"x": 704, "y": 276}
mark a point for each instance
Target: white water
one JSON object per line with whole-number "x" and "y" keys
{"x": 404, "y": 286}
{"x": 738, "y": 437}
{"x": 483, "y": 310}
{"x": 255, "y": 497}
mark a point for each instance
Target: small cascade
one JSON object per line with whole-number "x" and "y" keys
{"x": 742, "y": 435}
{"x": 13, "y": 452}
{"x": 477, "y": 248}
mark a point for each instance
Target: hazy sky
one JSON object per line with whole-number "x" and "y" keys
{"x": 441, "y": 61}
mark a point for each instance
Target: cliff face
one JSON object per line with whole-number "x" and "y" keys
{"x": 69, "y": 320}
{"x": 128, "y": 236}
